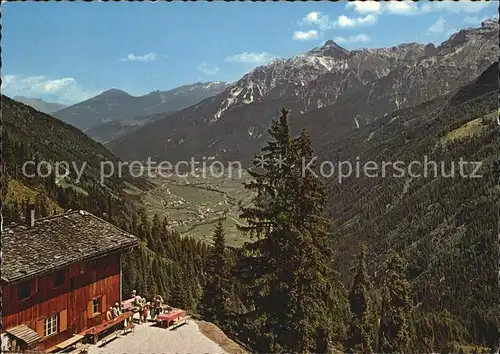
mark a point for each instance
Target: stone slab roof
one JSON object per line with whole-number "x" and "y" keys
{"x": 59, "y": 241}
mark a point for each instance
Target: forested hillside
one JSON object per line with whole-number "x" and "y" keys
{"x": 394, "y": 264}
{"x": 164, "y": 263}
{"x": 446, "y": 227}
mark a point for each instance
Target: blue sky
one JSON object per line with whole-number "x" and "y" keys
{"x": 67, "y": 52}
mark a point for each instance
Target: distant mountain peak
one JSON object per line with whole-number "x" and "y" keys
{"x": 39, "y": 104}
{"x": 490, "y": 22}
{"x": 331, "y": 49}
{"x": 114, "y": 93}
{"x": 489, "y": 29}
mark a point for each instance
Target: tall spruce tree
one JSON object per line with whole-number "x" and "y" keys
{"x": 179, "y": 292}
{"x": 214, "y": 305}
{"x": 394, "y": 335}
{"x": 360, "y": 332}
{"x": 287, "y": 266}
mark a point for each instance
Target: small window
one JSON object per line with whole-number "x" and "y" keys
{"x": 24, "y": 290}
{"x": 50, "y": 325}
{"x": 59, "y": 278}
{"x": 96, "y": 305}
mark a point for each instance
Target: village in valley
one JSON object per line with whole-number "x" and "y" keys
{"x": 194, "y": 202}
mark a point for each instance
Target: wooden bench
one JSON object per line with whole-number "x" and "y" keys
{"x": 96, "y": 331}
{"x": 69, "y": 343}
{"x": 108, "y": 339}
{"x": 179, "y": 322}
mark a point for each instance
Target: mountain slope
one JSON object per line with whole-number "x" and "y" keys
{"x": 445, "y": 226}
{"x": 114, "y": 129}
{"x": 40, "y": 105}
{"x": 117, "y": 105}
{"x": 163, "y": 263}
{"x": 37, "y": 138}
{"x": 345, "y": 89}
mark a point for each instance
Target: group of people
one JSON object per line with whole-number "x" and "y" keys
{"x": 152, "y": 308}
{"x": 113, "y": 312}
{"x": 145, "y": 308}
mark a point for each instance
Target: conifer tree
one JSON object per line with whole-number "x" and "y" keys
{"x": 286, "y": 267}
{"x": 179, "y": 292}
{"x": 394, "y": 333}
{"x": 360, "y": 330}
{"x": 214, "y": 305}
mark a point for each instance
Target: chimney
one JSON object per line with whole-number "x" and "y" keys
{"x": 31, "y": 215}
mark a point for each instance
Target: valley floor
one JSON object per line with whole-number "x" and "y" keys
{"x": 193, "y": 205}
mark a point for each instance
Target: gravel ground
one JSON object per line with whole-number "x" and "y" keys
{"x": 147, "y": 339}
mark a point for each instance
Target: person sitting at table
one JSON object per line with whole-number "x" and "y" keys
{"x": 109, "y": 314}
{"x": 115, "y": 310}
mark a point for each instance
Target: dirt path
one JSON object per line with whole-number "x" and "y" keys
{"x": 218, "y": 336}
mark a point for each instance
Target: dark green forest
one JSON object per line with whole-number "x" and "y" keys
{"x": 392, "y": 265}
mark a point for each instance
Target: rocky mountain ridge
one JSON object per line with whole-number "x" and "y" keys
{"x": 329, "y": 90}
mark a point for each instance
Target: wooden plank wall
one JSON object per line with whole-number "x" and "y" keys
{"x": 100, "y": 278}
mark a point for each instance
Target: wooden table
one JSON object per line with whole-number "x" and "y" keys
{"x": 96, "y": 331}
{"x": 128, "y": 304}
{"x": 170, "y": 316}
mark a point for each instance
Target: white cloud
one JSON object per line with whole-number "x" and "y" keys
{"x": 318, "y": 19}
{"x": 311, "y": 17}
{"x": 208, "y": 69}
{"x": 324, "y": 23}
{"x": 401, "y": 8}
{"x": 409, "y": 7}
{"x": 52, "y": 86}
{"x": 64, "y": 90}
{"x": 455, "y": 7}
{"x": 344, "y": 21}
{"x": 305, "y": 35}
{"x": 437, "y": 27}
{"x": 247, "y": 57}
{"x": 360, "y": 38}
{"x": 364, "y": 7}
{"x": 145, "y": 57}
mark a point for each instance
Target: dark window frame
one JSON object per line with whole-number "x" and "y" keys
{"x": 24, "y": 290}
{"x": 97, "y": 305}
{"x": 59, "y": 278}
